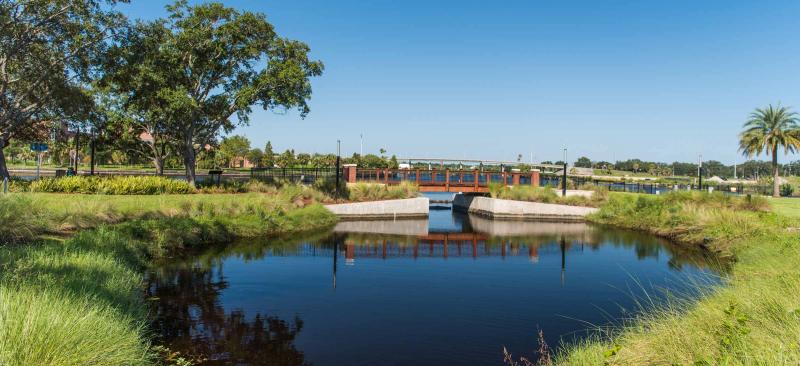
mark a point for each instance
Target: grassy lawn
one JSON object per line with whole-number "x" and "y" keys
{"x": 789, "y": 207}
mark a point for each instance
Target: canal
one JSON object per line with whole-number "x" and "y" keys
{"x": 454, "y": 289}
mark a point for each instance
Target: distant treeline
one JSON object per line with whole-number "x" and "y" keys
{"x": 750, "y": 168}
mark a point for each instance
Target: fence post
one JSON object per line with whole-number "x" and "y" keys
{"x": 475, "y": 174}
{"x": 447, "y": 180}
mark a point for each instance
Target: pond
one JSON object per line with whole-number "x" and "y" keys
{"x": 454, "y": 289}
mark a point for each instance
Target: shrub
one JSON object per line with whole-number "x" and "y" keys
{"x": 144, "y": 185}
{"x": 787, "y": 190}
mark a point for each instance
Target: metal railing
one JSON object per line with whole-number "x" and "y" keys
{"x": 296, "y": 175}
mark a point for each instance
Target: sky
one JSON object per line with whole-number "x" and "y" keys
{"x": 610, "y": 80}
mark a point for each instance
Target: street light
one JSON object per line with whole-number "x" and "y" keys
{"x": 564, "y": 184}
{"x": 338, "y": 161}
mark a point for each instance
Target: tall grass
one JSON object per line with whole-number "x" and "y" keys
{"x": 546, "y": 195}
{"x": 21, "y": 218}
{"x": 753, "y": 319}
{"x": 375, "y": 192}
{"x": 78, "y": 301}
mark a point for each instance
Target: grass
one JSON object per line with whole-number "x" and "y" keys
{"x": 359, "y": 192}
{"x": 547, "y": 195}
{"x": 77, "y": 300}
{"x": 789, "y": 207}
{"x": 753, "y": 319}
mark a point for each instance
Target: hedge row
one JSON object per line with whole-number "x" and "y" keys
{"x": 112, "y": 185}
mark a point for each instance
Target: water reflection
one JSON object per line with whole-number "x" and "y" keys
{"x": 190, "y": 319}
{"x": 295, "y": 302}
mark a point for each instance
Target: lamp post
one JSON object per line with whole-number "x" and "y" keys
{"x": 564, "y": 183}
{"x": 338, "y": 161}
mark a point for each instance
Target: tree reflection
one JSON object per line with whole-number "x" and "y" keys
{"x": 190, "y": 319}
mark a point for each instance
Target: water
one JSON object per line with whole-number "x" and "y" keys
{"x": 384, "y": 293}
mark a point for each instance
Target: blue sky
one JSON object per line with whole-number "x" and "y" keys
{"x": 477, "y": 79}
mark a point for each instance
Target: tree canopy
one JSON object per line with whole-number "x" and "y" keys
{"x": 48, "y": 51}
{"x": 212, "y": 64}
{"x": 768, "y": 130}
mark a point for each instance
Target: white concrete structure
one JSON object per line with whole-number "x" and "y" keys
{"x": 409, "y": 227}
{"x": 508, "y": 209}
{"x": 389, "y": 209}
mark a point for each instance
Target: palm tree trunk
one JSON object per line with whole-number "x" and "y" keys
{"x": 775, "y": 184}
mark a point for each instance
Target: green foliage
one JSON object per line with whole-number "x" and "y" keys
{"x": 768, "y": 130}
{"x": 145, "y": 185}
{"x": 250, "y": 63}
{"x": 583, "y": 162}
{"x": 750, "y": 319}
{"x": 547, "y": 195}
{"x": 787, "y": 190}
{"x": 78, "y": 302}
{"x": 47, "y": 51}
{"x": 374, "y": 192}
{"x": 21, "y": 218}
{"x": 233, "y": 147}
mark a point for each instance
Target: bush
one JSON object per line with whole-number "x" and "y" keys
{"x": 145, "y": 185}
{"x": 787, "y": 190}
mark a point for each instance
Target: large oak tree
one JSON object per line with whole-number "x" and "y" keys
{"x": 214, "y": 64}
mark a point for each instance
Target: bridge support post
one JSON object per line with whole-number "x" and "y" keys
{"x": 349, "y": 173}
{"x": 515, "y": 178}
{"x": 447, "y": 180}
{"x": 418, "y": 177}
{"x": 475, "y": 173}
{"x": 535, "y": 178}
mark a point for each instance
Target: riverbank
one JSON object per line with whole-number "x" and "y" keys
{"x": 71, "y": 274}
{"x": 754, "y": 318}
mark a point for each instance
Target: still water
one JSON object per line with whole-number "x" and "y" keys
{"x": 454, "y": 290}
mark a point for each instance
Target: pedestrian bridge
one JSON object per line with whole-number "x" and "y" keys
{"x": 444, "y": 180}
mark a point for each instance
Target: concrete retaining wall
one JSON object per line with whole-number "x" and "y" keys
{"x": 390, "y": 209}
{"x": 407, "y": 227}
{"x": 520, "y": 210}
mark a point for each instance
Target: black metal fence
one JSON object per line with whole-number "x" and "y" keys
{"x": 295, "y": 175}
{"x": 656, "y": 188}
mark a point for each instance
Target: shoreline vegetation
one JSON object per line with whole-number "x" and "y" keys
{"x": 599, "y": 195}
{"x": 78, "y": 259}
{"x": 77, "y": 300}
{"x": 753, "y": 317}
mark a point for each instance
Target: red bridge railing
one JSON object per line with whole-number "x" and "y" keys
{"x": 443, "y": 179}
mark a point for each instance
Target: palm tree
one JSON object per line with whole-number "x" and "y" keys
{"x": 768, "y": 130}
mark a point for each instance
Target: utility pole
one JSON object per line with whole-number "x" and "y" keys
{"x": 564, "y": 184}
{"x": 734, "y": 171}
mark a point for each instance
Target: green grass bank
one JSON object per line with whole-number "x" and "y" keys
{"x": 71, "y": 267}
{"x": 753, "y": 318}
